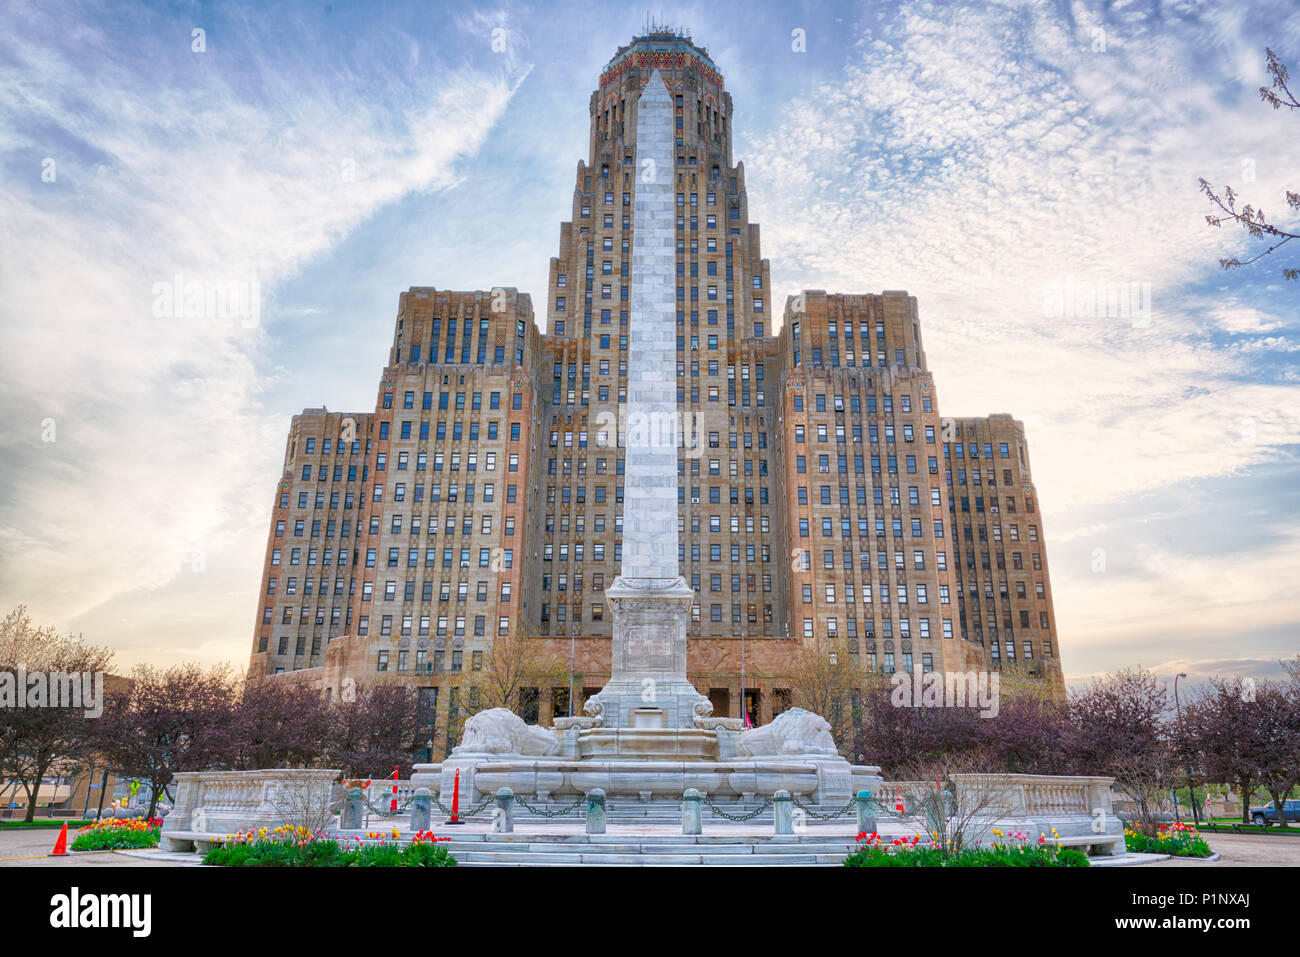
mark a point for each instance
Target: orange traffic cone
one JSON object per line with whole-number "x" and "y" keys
{"x": 61, "y": 845}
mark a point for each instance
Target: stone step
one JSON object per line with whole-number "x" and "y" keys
{"x": 548, "y": 863}
{"x": 689, "y": 850}
{"x": 672, "y": 815}
{"x": 716, "y": 840}
{"x": 642, "y": 860}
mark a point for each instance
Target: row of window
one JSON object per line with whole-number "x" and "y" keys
{"x": 445, "y": 398}
{"x": 309, "y": 447}
{"x": 445, "y": 591}
{"x": 467, "y": 352}
{"x": 424, "y": 663}
{"x": 453, "y": 490}
{"x": 855, "y": 405}
{"x": 451, "y": 459}
{"x": 923, "y": 629}
{"x": 850, "y": 594}
{"x": 891, "y": 463}
{"x": 443, "y": 627}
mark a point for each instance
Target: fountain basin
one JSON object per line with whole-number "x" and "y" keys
{"x": 823, "y": 780}
{"x": 648, "y": 744}
{"x": 643, "y": 779}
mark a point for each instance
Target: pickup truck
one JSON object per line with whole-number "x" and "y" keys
{"x": 1268, "y": 814}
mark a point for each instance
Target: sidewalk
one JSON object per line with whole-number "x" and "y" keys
{"x": 31, "y": 847}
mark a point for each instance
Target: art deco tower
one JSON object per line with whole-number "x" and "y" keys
{"x": 730, "y": 546}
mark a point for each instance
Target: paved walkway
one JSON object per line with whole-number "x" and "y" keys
{"x": 1245, "y": 850}
{"x": 23, "y": 847}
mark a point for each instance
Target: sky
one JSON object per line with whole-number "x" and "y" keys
{"x": 997, "y": 160}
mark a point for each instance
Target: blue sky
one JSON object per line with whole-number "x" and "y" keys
{"x": 976, "y": 155}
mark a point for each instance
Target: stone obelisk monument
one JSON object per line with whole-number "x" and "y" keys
{"x": 650, "y": 599}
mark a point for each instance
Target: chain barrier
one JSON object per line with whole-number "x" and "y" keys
{"x": 439, "y": 805}
{"x": 401, "y": 809}
{"x": 542, "y": 812}
{"x": 840, "y": 812}
{"x": 479, "y": 806}
{"x": 767, "y": 802}
{"x": 884, "y": 808}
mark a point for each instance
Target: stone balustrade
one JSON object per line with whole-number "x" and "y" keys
{"x": 1044, "y": 795}
{"x": 211, "y": 804}
{"x": 890, "y": 792}
{"x": 1076, "y": 810}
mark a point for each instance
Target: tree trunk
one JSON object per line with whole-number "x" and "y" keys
{"x": 38, "y": 773}
{"x": 1278, "y": 797}
{"x": 31, "y": 800}
{"x": 1244, "y": 787}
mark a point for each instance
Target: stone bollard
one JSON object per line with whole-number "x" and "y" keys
{"x": 421, "y": 809}
{"x": 595, "y": 811}
{"x": 691, "y": 821}
{"x": 503, "y": 820}
{"x": 782, "y": 813}
{"x": 866, "y": 814}
{"x": 351, "y": 819}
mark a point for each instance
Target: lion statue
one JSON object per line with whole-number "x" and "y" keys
{"x": 794, "y": 732}
{"x": 501, "y": 731}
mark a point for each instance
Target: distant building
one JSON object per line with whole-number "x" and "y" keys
{"x": 821, "y": 493}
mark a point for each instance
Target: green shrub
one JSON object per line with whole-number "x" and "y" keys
{"x": 1072, "y": 857}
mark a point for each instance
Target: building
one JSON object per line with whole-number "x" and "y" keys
{"x": 820, "y": 495}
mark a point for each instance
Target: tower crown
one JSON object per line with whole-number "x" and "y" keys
{"x": 667, "y": 50}
{"x": 703, "y": 120}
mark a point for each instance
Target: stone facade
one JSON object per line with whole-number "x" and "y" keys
{"x": 820, "y": 489}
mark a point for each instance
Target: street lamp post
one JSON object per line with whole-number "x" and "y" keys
{"x": 103, "y": 787}
{"x": 90, "y": 784}
{"x": 1178, "y": 708}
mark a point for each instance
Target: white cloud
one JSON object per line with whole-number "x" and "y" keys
{"x": 1237, "y": 318}
{"x": 979, "y": 157}
{"x": 241, "y": 172}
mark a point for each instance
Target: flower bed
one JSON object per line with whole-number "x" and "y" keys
{"x": 300, "y": 847}
{"x": 1011, "y": 850}
{"x": 114, "y": 834}
{"x": 1179, "y": 840}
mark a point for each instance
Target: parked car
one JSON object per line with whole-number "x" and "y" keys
{"x": 1268, "y": 813}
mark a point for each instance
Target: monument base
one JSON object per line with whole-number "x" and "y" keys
{"x": 818, "y": 779}
{"x": 649, "y": 735}
{"x": 794, "y": 753}
{"x": 648, "y": 687}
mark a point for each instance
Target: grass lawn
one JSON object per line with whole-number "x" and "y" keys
{"x": 1234, "y": 825}
{"x": 45, "y": 822}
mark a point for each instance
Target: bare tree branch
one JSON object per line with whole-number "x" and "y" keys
{"x": 1249, "y": 218}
